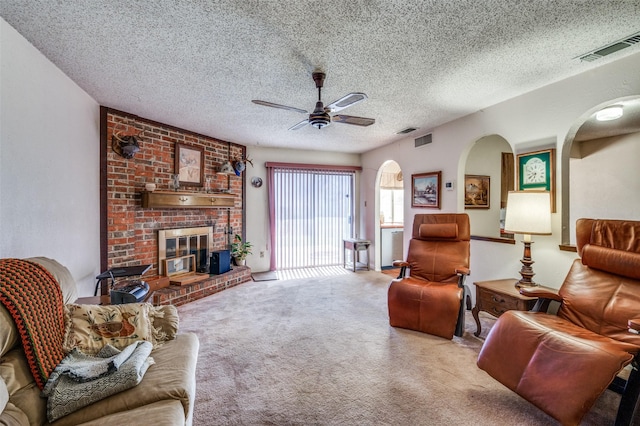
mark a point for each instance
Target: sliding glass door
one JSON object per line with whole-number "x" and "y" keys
{"x": 312, "y": 213}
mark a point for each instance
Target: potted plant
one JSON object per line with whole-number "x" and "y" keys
{"x": 239, "y": 250}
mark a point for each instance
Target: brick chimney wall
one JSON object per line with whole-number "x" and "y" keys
{"x": 132, "y": 232}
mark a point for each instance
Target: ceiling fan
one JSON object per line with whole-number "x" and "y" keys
{"x": 320, "y": 117}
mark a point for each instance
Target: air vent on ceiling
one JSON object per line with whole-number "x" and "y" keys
{"x": 424, "y": 140}
{"x": 407, "y": 130}
{"x": 611, "y": 48}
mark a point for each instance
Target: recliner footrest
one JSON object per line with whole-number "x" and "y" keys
{"x": 557, "y": 366}
{"x": 424, "y": 306}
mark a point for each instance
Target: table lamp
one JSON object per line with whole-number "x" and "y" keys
{"x": 528, "y": 213}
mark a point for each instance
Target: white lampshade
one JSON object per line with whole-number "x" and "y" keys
{"x": 528, "y": 212}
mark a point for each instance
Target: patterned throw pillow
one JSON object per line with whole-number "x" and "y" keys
{"x": 90, "y": 327}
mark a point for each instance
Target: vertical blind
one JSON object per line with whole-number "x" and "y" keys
{"x": 311, "y": 210}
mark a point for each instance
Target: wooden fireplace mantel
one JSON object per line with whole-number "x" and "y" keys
{"x": 177, "y": 199}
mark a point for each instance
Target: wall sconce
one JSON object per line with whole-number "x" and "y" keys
{"x": 226, "y": 169}
{"x": 528, "y": 213}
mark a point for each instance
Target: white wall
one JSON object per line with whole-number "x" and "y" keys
{"x": 526, "y": 122}
{"x": 257, "y": 205}
{"x": 49, "y": 163}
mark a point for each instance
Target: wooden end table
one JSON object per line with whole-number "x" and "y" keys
{"x": 356, "y": 246}
{"x": 93, "y": 300}
{"x": 498, "y": 296}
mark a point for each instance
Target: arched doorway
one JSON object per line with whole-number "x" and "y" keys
{"x": 489, "y": 176}
{"x": 600, "y": 177}
{"x": 390, "y": 215}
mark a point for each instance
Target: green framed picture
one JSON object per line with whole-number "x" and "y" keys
{"x": 536, "y": 171}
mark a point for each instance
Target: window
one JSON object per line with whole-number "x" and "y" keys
{"x": 391, "y": 206}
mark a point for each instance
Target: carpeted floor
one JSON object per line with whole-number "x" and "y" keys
{"x": 320, "y": 351}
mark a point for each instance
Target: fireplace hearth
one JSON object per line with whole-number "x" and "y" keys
{"x": 181, "y": 247}
{"x": 179, "y": 295}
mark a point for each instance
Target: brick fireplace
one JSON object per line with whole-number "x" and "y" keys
{"x": 130, "y": 232}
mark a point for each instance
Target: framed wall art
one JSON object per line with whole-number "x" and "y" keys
{"x": 536, "y": 171}
{"x": 425, "y": 190}
{"x": 477, "y": 191}
{"x": 189, "y": 165}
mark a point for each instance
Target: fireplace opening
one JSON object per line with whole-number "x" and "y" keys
{"x": 178, "y": 243}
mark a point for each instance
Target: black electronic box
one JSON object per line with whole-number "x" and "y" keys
{"x": 220, "y": 262}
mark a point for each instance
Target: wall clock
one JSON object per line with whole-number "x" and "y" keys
{"x": 536, "y": 170}
{"x": 256, "y": 181}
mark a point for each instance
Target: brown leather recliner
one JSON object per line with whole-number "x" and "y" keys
{"x": 562, "y": 363}
{"x": 431, "y": 300}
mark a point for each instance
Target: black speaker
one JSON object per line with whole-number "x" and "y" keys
{"x": 220, "y": 262}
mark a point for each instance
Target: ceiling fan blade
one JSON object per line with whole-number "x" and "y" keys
{"x": 272, "y": 105}
{"x": 346, "y": 101}
{"x": 300, "y": 125}
{"x": 350, "y": 119}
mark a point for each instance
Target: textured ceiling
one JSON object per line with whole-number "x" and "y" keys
{"x": 198, "y": 64}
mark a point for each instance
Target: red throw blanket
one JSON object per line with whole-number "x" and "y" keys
{"x": 34, "y": 299}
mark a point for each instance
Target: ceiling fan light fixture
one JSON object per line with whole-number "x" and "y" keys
{"x": 320, "y": 122}
{"x": 609, "y": 113}
{"x": 319, "y": 119}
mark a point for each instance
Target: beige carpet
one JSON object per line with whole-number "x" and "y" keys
{"x": 320, "y": 351}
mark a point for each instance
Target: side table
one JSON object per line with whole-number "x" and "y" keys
{"x": 93, "y": 300}
{"x": 498, "y": 296}
{"x": 356, "y": 246}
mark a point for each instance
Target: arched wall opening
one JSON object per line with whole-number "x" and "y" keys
{"x": 599, "y": 169}
{"x": 389, "y": 206}
{"x": 488, "y": 176}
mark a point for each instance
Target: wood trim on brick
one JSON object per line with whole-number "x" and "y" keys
{"x": 103, "y": 194}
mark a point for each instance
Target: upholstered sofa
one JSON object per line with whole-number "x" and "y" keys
{"x": 164, "y": 396}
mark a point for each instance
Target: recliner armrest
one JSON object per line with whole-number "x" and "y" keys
{"x": 634, "y": 326}
{"x": 403, "y": 268}
{"x": 544, "y": 295}
{"x": 541, "y": 293}
{"x": 462, "y": 271}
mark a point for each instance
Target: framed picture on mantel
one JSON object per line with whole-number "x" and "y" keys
{"x": 189, "y": 164}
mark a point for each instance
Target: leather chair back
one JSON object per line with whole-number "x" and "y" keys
{"x": 439, "y": 244}
{"x": 602, "y": 289}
